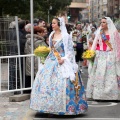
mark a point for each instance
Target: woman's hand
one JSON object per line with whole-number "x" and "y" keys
{"x": 61, "y": 61}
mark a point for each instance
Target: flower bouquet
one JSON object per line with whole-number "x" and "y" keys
{"x": 89, "y": 55}
{"x": 42, "y": 52}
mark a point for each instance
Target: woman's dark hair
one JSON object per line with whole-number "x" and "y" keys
{"x": 21, "y": 24}
{"x": 40, "y": 20}
{"x": 69, "y": 27}
{"x": 27, "y": 22}
{"x": 50, "y": 28}
{"x": 58, "y": 21}
{"x": 35, "y": 21}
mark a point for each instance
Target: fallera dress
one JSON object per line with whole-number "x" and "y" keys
{"x": 52, "y": 93}
{"x": 103, "y": 79}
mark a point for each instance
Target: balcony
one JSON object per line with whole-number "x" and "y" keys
{"x": 78, "y": 5}
{"x": 79, "y": 1}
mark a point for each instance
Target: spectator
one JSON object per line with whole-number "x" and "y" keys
{"x": 14, "y": 51}
{"x": 35, "y": 21}
{"x": 79, "y": 44}
{"x": 94, "y": 25}
{"x": 117, "y": 24}
{"x": 37, "y": 40}
{"x": 28, "y": 28}
{"x": 41, "y": 23}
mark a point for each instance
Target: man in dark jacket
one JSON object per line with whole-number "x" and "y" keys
{"x": 13, "y": 50}
{"x": 79, "y": 44}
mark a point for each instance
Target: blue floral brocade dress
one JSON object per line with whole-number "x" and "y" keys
{"x": 52, "y": 93}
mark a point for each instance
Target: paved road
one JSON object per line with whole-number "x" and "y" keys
{"x": 101, "y": 110}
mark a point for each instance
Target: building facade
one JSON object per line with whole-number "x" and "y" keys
{"x": 77, "y": 11}
{"x": 100, "y": 8}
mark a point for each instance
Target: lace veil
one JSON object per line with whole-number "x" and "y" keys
{"x": 69, "y": 64}
{"x": 114, "y": 38}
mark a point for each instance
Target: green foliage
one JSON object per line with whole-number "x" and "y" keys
{"x": 22, "y": 7}
{"x": 14, "y": 7}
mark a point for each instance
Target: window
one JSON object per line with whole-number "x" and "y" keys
{"x": 80, "y": 1}
{"x": 104, "y": 13}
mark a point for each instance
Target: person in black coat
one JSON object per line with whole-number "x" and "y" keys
{"x": 13, "y": 50}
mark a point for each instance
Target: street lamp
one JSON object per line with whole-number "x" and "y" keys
{"x": 50, "y": 8}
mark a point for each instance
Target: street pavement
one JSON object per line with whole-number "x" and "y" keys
{"x": 98, "y": 110}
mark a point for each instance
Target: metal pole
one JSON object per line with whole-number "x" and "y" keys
{"x": 0, "y": 75}
{"x": 32, "y": 48}
{"x": 48, "y": 15}
{"x": 18, "y": 44}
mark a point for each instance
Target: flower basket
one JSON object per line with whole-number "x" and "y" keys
{"x": 42, "y": 52}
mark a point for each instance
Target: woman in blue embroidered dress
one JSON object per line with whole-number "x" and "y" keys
{"x": 54, "y": 90}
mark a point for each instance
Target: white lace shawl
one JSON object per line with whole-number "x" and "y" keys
{"x": 69, "y": 67}
{"x": 114, "y": 38}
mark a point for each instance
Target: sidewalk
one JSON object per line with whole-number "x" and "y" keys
{"x": 12, "y": 110}
{"x": 15, "y": 110}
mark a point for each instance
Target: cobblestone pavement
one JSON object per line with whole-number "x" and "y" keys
{"x": 13, "y": 110}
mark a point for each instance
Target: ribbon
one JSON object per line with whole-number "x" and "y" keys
{"x": 106, "y": 40}
{"x": 56, "y": 53}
